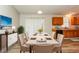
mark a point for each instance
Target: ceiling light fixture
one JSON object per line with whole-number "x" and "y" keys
{"x": 39, "y": 12}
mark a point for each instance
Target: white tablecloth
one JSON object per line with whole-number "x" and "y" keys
{"x": 44, "y": 41}
{"x": 48, "y": 42}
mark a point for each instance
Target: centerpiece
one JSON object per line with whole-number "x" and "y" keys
{"x": 40, "y": 30}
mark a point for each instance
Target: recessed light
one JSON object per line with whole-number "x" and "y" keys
{"x": 39, "y": 12}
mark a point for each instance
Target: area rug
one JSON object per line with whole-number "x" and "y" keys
{"x": 74, "y": 39}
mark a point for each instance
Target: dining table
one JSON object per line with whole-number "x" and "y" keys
{"x": 41, "y": 40}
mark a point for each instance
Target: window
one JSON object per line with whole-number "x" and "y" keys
{"x": 32, "y": 25}
{"x": 66, "y": 21}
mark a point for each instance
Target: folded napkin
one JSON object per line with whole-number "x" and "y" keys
{"x": 33, "y": 38}
{"x": 46, "y": 34}
{"x": 48, "y": 38}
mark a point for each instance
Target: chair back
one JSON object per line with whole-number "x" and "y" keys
{"x": 22, "y": 38}
{"x": 26, "y": 35}
{"x": 53, "y": 35}
{"x": 60, "y": 38}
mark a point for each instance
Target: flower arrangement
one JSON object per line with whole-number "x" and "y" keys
{"x": 40, "y": 30}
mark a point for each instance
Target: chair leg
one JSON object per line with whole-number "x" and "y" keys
{"x": 20, "y": 51}
{"x": 60, "y": 51}
{"x": 57, "y": 51}
{"x": 23, "y": 51}
{"x": 32, "y": 51}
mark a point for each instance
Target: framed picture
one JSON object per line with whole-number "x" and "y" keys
{"x": 5, "y": 21}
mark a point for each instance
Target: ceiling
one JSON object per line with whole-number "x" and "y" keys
{"x": 47, "y": 9}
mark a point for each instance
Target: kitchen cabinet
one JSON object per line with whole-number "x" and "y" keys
{"x": 73, "y": 20}
{"x": 77, "y": 21}
{"x": 57, "y": 20}
{"x": 75, "y": 33}
{"x": 70, "y": 33}
{"x": 78, "y": 33}
{"x": 65, "y": 34}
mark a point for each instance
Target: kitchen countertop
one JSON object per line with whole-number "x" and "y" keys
{"x": 66, "y": 29}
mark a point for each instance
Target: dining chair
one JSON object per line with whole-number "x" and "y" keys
{"x": 53, "y": 35}
{"x": 58, "y": 47}
{"x": 42, "y": 48}
{"x": 22, "y": 41}
{"x": 26, "y": 35}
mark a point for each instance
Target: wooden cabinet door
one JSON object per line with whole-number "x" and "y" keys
{"x": 77, "y": 33}
{"x": 73, "y": 20}
{"x": 57, "y": 20}
{"x": 68, "y": 33}
{"x": 71, "y": 33}
{"x": 77, "y": 20}
{"x": 54, "y": 21}
{"x": 65, "y": 34}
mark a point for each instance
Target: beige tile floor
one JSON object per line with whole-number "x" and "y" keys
{"x": 69, "y": 46}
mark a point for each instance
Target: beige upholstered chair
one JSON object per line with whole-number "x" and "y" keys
{"x": 26, "y": 35}
{"x": 42, "y": 48}
{"x": 58, "y": 47}
{"x": 22, "y": 41}
{"x": 53, "y": 35}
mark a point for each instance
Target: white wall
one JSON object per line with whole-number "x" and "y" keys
{"x": 10, "y": 11}
{"x": 24, "y": 20}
